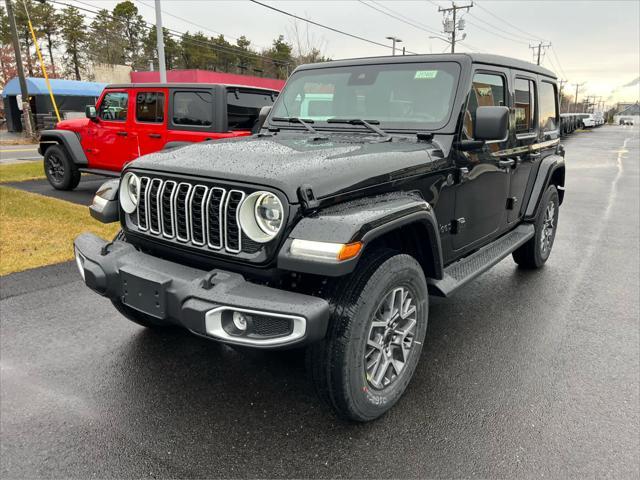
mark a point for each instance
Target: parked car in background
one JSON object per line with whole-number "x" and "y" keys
{"x": 587, "y": 120}
{"x": 626, "y": 121}
{"x": 131, "y": 120}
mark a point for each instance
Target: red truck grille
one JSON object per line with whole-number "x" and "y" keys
{"x": 193, "y": 214}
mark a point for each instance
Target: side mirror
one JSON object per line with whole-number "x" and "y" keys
{"x": 262, "y": 117}
{"x": 90, "y": 112}
{"x": 492, "y": 123}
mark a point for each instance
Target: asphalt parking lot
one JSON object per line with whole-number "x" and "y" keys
{"x": 524, "y": 374}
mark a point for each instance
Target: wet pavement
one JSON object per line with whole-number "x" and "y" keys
{"x": 523, "y": 374}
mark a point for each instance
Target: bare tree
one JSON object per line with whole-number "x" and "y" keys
{"x": 307, "y": 47}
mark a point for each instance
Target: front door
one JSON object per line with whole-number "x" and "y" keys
{"x": 150, "y": 119}
{"x": 112, "y": 143}
{"x": 481, "y": 196}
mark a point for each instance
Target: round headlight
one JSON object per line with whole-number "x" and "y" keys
{"x": 129, "y": 192}
{"x": 261, "y": 216}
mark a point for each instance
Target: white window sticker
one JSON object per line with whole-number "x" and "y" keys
{"x": 428, "y": 74}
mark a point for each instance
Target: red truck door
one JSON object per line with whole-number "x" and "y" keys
{"x": 150, "y": 118}
{"x": 112, "y": 142}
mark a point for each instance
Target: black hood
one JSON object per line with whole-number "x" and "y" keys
{"x": 337, "y": 165}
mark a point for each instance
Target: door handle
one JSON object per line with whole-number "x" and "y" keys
{"x": 122, "y": 134}
{"x": 155, "y": 135}
{"x": 506, "y": 163}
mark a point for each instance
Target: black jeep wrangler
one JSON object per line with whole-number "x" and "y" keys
{"x": 372, "y": 184}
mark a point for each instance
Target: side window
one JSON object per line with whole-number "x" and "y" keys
{"x": 193, "y": 108}
{"x": 150, "y": 107}
{"x": 487, "y": 90}
{"x": 244, "y": 107}
{"x": 525, "y": 105}
{"x": 548, "y": 107}
{"x": 114, "y": 107}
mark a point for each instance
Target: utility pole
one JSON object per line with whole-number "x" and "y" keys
{"x": 578, "y": 85}
{"x": 539, "y": 49}
{"x": 453, "y": 26}
{"x": 24, "y": 92}
{"x": 160, "y": 41}
{"x": 394, "y": 40}
{"x": 562, "y": 82}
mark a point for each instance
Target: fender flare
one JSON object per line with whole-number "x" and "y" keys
{"x": 551, "y": 167}
{"x": 66, "y": 138}
{"x": 364, "y": 220}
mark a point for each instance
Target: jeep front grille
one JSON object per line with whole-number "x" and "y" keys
{"x": 192, "y": 214}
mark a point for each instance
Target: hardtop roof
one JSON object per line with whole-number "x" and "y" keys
{"x": 483, "y": 58}
{"x": 186, "y": 85}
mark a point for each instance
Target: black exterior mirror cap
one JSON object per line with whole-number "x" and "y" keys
{"x": 90, "y": 112}
{"x": 491, "y": 124}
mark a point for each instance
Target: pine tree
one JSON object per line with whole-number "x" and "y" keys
{"x": 74, "y": 38}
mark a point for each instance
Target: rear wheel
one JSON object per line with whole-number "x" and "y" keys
{"x": 61, "y": 172}
{"x": 536, "y": 251}
{"x": 375, "y": 336}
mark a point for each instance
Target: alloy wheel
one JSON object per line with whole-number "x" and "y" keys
{"x": 548, "y": 228}
{"x": 391, "y": 338}
{"x": 55, "y": 168}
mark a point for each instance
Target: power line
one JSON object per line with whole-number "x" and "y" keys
{"x": 357, "y": 37}
{"x": 179, "y": 35}
{"x": 194, "y": 24}
{"x": 496, "y": 33}
{"x": 509, "y": 23}
{"x": 398, "y": 17}
{"x": 514, "y": 37}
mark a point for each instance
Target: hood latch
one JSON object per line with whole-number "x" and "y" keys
{"x": 307, "y": 198}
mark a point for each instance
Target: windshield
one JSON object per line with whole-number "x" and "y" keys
{"x": 403, "y": 96}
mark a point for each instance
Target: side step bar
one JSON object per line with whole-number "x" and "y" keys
{"x": 468, "y": 268}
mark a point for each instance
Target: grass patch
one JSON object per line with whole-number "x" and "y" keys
{"x": 37, "y": 230}
{"x": 21, "y": 171}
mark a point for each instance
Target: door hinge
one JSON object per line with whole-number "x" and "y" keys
{"x": 458, "y": 225}
{"x": 511, "y": 203}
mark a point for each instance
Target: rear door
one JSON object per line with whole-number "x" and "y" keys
{"x": 193, "y": 116}
{"x": 527, "y": 156}
{"x": 150, "y": 119}
{"x": 112, "y": 144}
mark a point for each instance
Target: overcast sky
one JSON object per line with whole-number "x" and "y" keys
{"x": 596, "y": 41}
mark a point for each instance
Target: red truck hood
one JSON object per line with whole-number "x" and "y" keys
{"x": 74, "y": 125}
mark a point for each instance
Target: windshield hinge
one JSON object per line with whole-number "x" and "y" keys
{"x": 307, "y": 198}
{"x": 424, "y": 136}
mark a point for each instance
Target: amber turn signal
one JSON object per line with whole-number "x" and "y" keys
{"x": 349, "y": 250}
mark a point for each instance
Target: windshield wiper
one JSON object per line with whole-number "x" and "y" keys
{"x": 357, "y": 121}
{"x": 305, "y": 123}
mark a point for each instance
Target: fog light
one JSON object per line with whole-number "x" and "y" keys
{"x": 240, "y": 321}
{"x": 80, "y": 263}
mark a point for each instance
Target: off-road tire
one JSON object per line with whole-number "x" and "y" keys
{"x": 532, "y": 255}
{"x": 337, "y": 364}
{"x": 60, "y": 170}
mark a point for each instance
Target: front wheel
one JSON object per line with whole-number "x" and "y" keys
{"x": 375, "y": 336}
{"x": 536, "y": 251}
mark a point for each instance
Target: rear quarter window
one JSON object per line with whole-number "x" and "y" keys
{"x": 243, "y": 108}
{"x": 193, "y": 109}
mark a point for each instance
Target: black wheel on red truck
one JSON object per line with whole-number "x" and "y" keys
{"x": 60, "y": 170}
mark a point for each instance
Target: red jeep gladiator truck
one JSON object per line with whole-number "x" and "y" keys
{"x": 131, "y": 120}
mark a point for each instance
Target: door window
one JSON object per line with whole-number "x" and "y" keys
{"x": 193, "y": 108}
{"x": 548, "y": 107}
{"x": 487, "y": 90}
{"x": 525, "y": 108}
{"x": 114, "y": 107}
{"x": 150, "y": 107}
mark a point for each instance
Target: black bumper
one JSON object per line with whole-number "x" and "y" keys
{"x": 181, "y": 295}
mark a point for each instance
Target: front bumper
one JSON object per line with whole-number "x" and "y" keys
{"x": 197, "y": 299}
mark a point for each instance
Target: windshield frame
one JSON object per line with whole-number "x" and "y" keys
{"x": 385, "y": 125}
